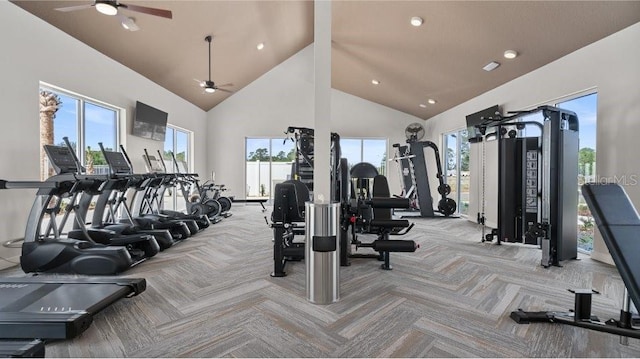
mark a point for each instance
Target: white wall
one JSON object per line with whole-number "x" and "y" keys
{"x": 284, "y": 97}
{"x": 610, "y": 65}
{"x": 34, "y": 51}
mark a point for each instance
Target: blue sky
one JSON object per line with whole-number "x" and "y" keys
{"x": 585, "y": 107}
{"x": 99, "y": 124}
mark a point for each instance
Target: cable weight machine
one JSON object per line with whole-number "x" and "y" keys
{"x": 537, "y": 190}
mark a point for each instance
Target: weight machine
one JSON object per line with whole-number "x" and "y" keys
{"x": 537, "y": 196}
{"x": 288, "y": 216}
{"x": 414, "y": 177}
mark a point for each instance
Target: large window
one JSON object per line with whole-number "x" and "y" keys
{"x": 586, "y": 109}
{"x": 84, "y": 121}
{"x": 373, "y": 151}
{"x": 176, "y": 141}
{"x": 267, "y": 162}
{"x": 456, "y": 167}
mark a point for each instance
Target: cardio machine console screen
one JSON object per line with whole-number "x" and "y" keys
{"x": 61, "y": 159}
{"x": 117, "y": 162}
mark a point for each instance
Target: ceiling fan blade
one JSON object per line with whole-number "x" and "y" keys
{"x": 74, "y": 8}
{"x": 148, "y": 10}
{"x": 223, "y": 90}
{"x": 200, "y": 82}
{"x": 225, "y": 85}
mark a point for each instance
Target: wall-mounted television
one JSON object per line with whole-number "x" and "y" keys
{"x": 149, "y": 122}
{"x": 486, "y": 115}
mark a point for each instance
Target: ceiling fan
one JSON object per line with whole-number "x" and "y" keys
{"x": 208, "y": 85}
{"x": 110, "y": 7}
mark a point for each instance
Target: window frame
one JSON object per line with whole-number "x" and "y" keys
{"x": 458, "y": 162}
{"x": 271, "y": 162}
{"x": 80, "y": 116}
{"x": 385, "y": 167}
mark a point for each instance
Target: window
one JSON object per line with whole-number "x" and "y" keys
{"x": 586, "y": 109}
{"x": 373, "y": 151}
{"x": 456, "y": 167}
{"x": 176, "y": 141}
{"x": 84, "y": 121}
{"x": 267, "y": 162}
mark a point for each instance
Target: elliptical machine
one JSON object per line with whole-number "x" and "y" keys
{"x": 198, "y": 201}
{"x": 142, "y": 214}
{"x": 170, "y": 180}
{"x": 45, "y": 249}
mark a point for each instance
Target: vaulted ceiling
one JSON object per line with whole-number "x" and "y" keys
{"x": 441, "y": 60}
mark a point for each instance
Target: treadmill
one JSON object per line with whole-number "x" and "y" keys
{"x": 54, "y": 308}
{"x": 21, "y": 348}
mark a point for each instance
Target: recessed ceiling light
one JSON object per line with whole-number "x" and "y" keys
{"x": 510, "y": 54}
{"x": 260, "y": 46}
{"x": 416, "y": 21}
{"x": 431, "y": 101}
{"x": 491, "y": 66}
{"x": 375, "y": 82}
{"x": 422, "y": 105}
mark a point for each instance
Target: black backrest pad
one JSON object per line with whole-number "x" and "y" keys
{"x": 289, "y": 200}
{"x": 284, "y": 202}
{"x": 619, "y": 224}
{"x": 381, "y": 189}
{"x": 302, "y": 192}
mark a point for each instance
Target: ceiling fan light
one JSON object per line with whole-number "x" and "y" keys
{"x": 129, "y": 24}
{"x": 106, "y": 8}
{"x": 209, "y": 90}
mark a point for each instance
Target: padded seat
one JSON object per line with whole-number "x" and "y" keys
{"x": 390, "y": 223}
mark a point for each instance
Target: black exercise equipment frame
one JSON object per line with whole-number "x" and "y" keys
{"x": 618, "y": 222}
{"x": 556, "y": 228}
{"x": 412, "y": 158}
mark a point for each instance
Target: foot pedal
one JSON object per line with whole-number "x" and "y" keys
{"x": 522, "y": 317}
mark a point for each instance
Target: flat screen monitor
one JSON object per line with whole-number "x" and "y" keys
{"x": 486, "y": 115}
{"x": 149, "y": 122}
{"x": 481, "y": 117}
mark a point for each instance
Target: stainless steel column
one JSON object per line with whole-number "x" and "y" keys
{"x": 322, "y": 255}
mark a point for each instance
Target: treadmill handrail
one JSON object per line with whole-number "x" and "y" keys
{"x": 5, "y": 184}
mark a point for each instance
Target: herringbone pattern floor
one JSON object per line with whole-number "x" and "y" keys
{"x": 212, "y": 296}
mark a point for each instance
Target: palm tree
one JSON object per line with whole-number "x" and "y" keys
{"x": 49, "y": 105}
